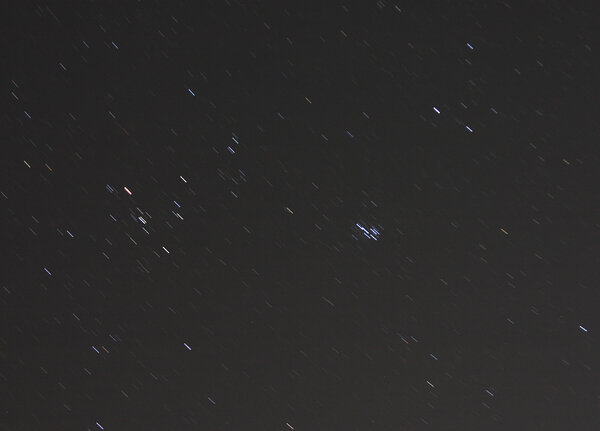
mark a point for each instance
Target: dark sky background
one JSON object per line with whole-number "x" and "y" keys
{"x": 279, "y": 215}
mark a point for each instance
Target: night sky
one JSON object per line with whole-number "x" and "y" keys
{"x": 300, "y": 216}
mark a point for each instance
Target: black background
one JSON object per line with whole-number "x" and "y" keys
{"x": 267, "y": 308}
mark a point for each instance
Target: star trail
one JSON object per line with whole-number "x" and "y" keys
{"x": 260, "y": 215}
